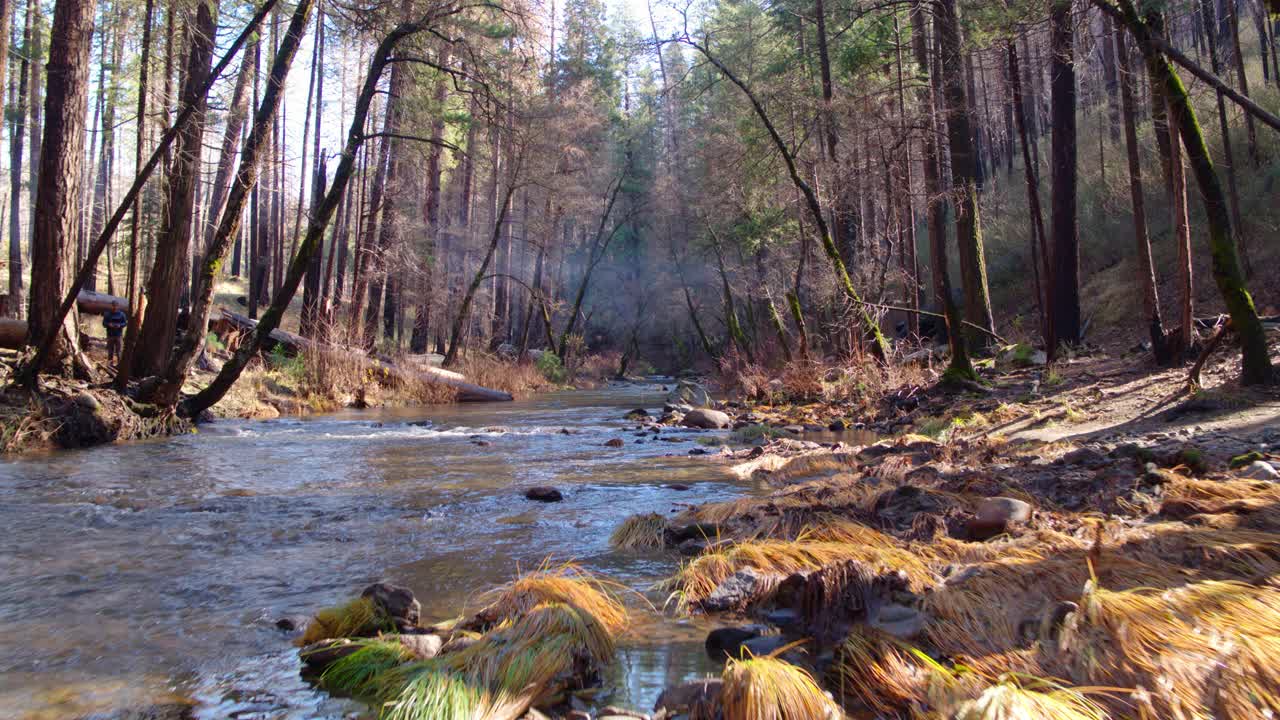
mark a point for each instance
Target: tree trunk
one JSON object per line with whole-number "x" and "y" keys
{"x": 1243, "y": 80}
{"x": 58, "y": 190}
{"x": 973, "y": 265}
{"x": 236, "y": 115}
{"x": 1039, "y": 256}
{"x": 16, "y": 136}
{"x": 1145, "y": 266}
{"x": 164, "y": 288}
{"x": 316, "y": 225}
{"x": 1064, "y": 276}
{"x": 1229, "y": 161}
{"x": 936, "y": 211}
{"x": 1255, "y": 362}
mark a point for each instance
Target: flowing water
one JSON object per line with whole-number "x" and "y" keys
{"x": 155, "y": 572}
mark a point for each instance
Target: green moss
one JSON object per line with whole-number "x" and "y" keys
{"x": 754, "y": 433}
{"x": 1193, "y": 459}
{"x": 1248, "y": 458}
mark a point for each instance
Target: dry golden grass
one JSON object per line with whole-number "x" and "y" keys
{"x": 1015, "y": 699}
{"x": 697, "y": 579}
{"x": 878, "y": 671}
{"x": 567, "y": 584}
{"x": 643, "y": 531}
{"x": 767, "y": 688}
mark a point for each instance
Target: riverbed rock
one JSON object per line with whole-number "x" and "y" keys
{"x": 1261, "y": 470}
{"x": 614, "y": 443}
{"x": 707, "y": 419}
{"x": 397, "y": 602}
{"x": 638, "y": 414}
{"x": 423, "y": 646}
{"x": 727, "y": 642}
{"x": 687, "y": 392}
{"x": 544, "y": 494}
{"x": 996, "y": 515}
{"x": 698, "y": 698}
{"x": 738, "y": 591}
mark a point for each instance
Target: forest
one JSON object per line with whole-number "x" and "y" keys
{"x": 962, "y": 317}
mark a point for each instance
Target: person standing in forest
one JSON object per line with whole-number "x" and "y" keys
{"x": 114, "y": 320}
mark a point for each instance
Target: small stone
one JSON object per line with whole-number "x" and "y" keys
{"x": 677, "y": 486}
{"x": 638, "y": 414}
{"x": 698, "y": 451}
{"x": 727, "y": 642}
{"x": 423, "y": 647}
{"x": 738, "y": 590}
{"x": 1261, "y": 470}
{"x": 794, "y": 429}
{"x": 543, "y": 494}
{"x": 838, "y": 426}
{"x": 1003, "y": 510}
{"x": 286, "y": 624}
{"x": 614, "y": 443}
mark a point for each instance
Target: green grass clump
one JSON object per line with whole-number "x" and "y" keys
{"x": 358, "y": 618}
{"x": 359, "y": 673}
{"x": 1193, "y": 459}
{"x": 643, "y": 531}
{"x": 432, "y": 693}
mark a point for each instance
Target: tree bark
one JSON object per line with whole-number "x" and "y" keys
{"x": 1039, "y": 254}
{"x": 316, "y": 225}
{"x": 16, "y": 136}
{"x": 1255, "y": 362}
{"x": 57, "y": 192}
{"x": 973, "y": 264}
{"x": 936, "y": 210}
{"x": 164, "y": 288}
{"x": 1145, "y": 266}
{"x": 1064, "y": 276}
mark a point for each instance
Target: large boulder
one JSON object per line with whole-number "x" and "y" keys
{"x": 397, "y": 602}
{"x": 707, "y": 419}
{"x": 1261, "y": 470}
{"x": 687, "y": 392}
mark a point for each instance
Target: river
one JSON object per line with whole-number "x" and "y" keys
{"x": 155, "y": 572}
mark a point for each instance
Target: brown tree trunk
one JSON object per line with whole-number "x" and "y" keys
{"x": 176, "y": 371}
{"x": 164, "y": 288}
{"x": 236, "y": 115}
{"x": 1039, "y": 254}
{"x": 56, "y": 203}
{"x": 936, "y": 209}
{"x": 1064, "y": 276}
{"x": 1145, "y": 266}
{"x": 964, "y": 177}
{"x": 16, "y": 136}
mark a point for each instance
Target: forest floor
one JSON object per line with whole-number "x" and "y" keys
{"x": 1095, "y": 524}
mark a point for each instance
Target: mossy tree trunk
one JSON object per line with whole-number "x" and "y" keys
{"x": 1255, "y": 362}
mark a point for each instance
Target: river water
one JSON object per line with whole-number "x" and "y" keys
{"x": 155, "y": 572}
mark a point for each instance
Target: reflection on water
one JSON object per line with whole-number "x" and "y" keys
{"x": 155, "y": 571}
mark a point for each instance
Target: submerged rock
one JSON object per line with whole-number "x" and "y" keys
{"x": 696, "y": 698}
{"x": 638, "y": 414}
{"x": 727, "y": 642}
{"x": 614, "y": 443}
{"x": 543, "y": 494}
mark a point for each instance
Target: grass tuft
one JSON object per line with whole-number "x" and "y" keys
{"x": 358, "y": 618}
{"x": 767, "y": 688}
{"x": 643, "y": 531}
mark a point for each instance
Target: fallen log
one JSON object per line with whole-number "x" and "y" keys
{"x": 96, "y": 303}
{"x": 467, "y": 392}
{"x": 13, "y": 333}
